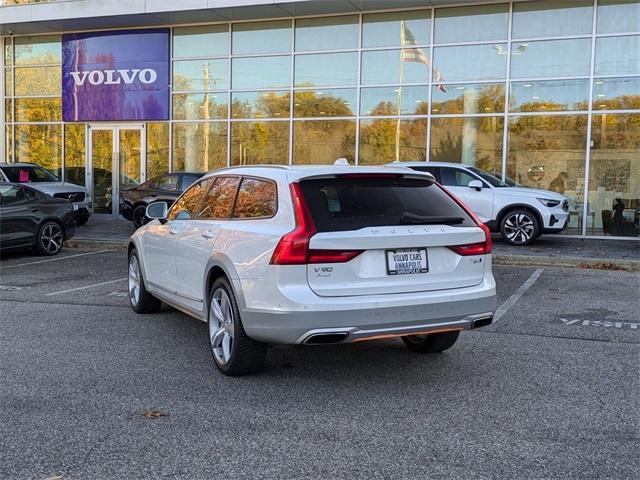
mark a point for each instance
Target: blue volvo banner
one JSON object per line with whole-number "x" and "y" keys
{"x": 115, "y": 75}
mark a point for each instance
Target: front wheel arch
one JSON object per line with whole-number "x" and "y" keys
{"x": 518, "y": 206}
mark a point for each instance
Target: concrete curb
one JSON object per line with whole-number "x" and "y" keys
{"x": 567, "y": 262}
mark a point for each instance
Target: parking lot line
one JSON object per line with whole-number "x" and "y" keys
{"x": 513, "y": 299}
{"x": 85, "y": 287}
{"x": 56, "y": 259}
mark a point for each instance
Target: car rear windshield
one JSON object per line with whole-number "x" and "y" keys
{"x": 339, "y": 204}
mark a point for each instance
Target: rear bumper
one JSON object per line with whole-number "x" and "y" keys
{"x": 371, "y": 317}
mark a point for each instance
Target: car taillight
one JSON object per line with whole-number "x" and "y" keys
{"x": 481, "y": 248}
{"x": 293, "y": 248}
{"x": 332, "y": 256}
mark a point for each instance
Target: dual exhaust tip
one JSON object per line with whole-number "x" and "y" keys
{"x": 332, "y": 338}
{"x": 326, "y": 338}
{"x": 482, "y": 322}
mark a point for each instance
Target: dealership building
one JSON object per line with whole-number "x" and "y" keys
{"x": 111, "y": 93}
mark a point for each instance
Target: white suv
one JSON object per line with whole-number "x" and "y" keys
{"x": 315, "y": 255}
{"x": 519, "y": 214}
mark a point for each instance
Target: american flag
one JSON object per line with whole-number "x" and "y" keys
{"x": 417, "y": 55}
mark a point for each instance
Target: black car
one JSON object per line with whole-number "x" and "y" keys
{"x": 165, "y": 188}
{"x": 32, "y": 219}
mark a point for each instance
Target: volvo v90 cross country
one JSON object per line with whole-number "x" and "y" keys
{"x": 315, "y": 255}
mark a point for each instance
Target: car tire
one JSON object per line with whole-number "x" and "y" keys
{"x": 139, "y": 216}
{"x": 432, "y": 343}
{"x": 519, "y": 227}
{"x": 50, "y": 238}
{"x": 233, "y": 352}
{"x": 82, "y": 219}
{"x": 140, "y": 299}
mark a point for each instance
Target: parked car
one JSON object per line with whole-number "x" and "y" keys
{"x": 519, "y": 214}
{"x": 46, "y": 182}
{"x": 315, "y": 255}
{"x": 32, "y": 219}
{"x": 166, "y": 188}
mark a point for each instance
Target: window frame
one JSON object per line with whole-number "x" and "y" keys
{"x": 233, "y": 204}
{"x": 235, "y": 200}
{"x": 199, "y": 206}
{"x": 465, "y": 171}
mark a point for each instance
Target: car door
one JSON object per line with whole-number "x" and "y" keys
{"x": 456, "y": 180}
{"x": 19, "y": 215}
{"x": 196, "y": 243}
{"x": 160, "y": 239}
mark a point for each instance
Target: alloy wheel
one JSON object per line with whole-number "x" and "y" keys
{"x": 134, "y": 280}
{"x": 51, "y": 238}
{"x": 221, "y": 326}
{"x": 519, "y": 228}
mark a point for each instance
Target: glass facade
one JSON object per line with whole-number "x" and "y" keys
{"x": 544, "y": 92}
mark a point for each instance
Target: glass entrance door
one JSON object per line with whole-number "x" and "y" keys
{"x": 117, "y": 162}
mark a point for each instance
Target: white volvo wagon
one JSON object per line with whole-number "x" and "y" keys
{"x": 315, "y": 255}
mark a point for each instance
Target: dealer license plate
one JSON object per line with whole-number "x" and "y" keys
{"x": 407, "y": 261}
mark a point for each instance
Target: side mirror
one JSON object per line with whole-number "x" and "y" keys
{"x": 477, "y": 184}
{"x": 157, "y": 211}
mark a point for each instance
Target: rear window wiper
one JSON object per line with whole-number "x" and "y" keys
{"x": 412, "y": 219}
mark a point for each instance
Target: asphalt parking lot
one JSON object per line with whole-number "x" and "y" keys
{"x": 549, "y": 391}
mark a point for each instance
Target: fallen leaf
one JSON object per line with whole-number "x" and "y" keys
{"x": 154, "y": 414}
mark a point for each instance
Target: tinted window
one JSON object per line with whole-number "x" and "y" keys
{"x": 168, "y": 183}
{"x": 10, "y": 195}
{"x": 219, "y": 200}
{"x": 30, "y": 195}
{"x": 453, "y": 177}
{"x": 492, "y": 179}
{"x": 29, "y": 174}
{"x": 256, "y": 198}
{"x": 188, "y": 180}
{"x": 339, "y": 204}
{"x": 187, "y": 205}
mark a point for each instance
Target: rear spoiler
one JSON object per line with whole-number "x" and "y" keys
{"x": 410, "y": 174}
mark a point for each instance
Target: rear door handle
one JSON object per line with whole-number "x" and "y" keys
{"x": 208, "y": 234}
{"x": 172, "y": 231}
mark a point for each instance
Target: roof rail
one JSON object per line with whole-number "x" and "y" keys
{"x": 277, "y": 167}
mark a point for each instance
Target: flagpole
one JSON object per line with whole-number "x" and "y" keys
{"x": 205, "y": 115}
{"x": 399, "y": 90}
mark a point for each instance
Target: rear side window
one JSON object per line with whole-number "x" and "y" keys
{"x": 168, "y": 183}
{"x": 188, "y": 204}
{"x": 10, "y": 195}
{"x": 188, "y": 180}
{"x": 339, "y": 204}
{"x": 219, "y": 201}
{"x": 454, "y": 177}
{"x": 256, "y": 198}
